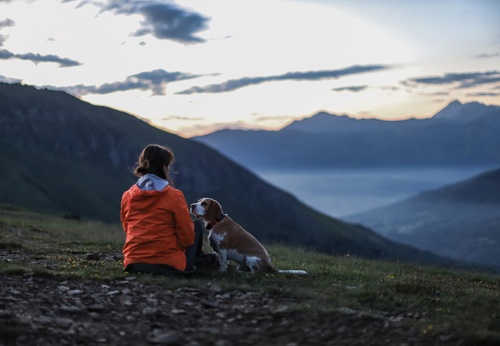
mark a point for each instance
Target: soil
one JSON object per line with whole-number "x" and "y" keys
{"x": 51, "y": 310}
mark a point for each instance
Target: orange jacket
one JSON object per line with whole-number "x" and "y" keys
{"x": 157, "y": 224}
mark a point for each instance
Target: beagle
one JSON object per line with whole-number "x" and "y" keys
{"x": 233, "y": 242}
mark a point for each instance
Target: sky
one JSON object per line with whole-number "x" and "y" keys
{"x": 195, "y": 66}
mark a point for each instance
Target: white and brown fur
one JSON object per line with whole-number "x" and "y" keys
{"x": 233, "y": 242}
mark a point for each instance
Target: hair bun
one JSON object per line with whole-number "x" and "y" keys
{"x": 142, "y": 170}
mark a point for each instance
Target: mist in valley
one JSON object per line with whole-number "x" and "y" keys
{"x": 343, "y": 192}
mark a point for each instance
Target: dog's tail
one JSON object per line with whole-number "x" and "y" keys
{"x": 292, "y": 271}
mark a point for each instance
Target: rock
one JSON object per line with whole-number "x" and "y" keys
{"x": 210, "y": 304}
{"x": 69, "y": 309}
{"x": 112, "y": 293}
{"x": 165, "y": 337}
{"x": 93, "y": 257}
{"x": 96, "y": 308}
{"x": 64, "y": 323}
{"x": 149, "y": 311}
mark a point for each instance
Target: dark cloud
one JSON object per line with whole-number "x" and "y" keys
{"x": 354, "y": 89}
{"x": 487, "y": 56}
{"x": 3, "y": 24}
{"x": 438, "y": 93}
{"x": 37, "y": 58}
{"x": 234, "y": 84}
{"x": 154, "y": 80}
{"x": 483, "y": 94}
{"x": 480, "y": 81}
{"x": 6, "y": 22}
{"x": 163, "y": 20}
{"x": 464, "y": 80}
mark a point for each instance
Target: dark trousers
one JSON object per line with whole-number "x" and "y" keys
{"x": 162, "y": 269}
{"x": 197, "y": 248}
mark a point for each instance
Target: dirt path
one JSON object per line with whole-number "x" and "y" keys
{"x": 37, "y": 310}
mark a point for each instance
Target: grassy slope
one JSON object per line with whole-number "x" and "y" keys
{"x": 435, "y": 300}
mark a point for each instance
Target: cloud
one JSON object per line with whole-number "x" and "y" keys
{"x": 354, "y": 89}
{"x": 203, "y": 129}
{"x": 3, "y": 24}
{"x": 483, "y": 94}
{"x": 6, "y": 22}
{"x": 163, "y": 20}
{"x": 480, "y": 81}
{"x": 156, "y": 81}
{"x": 437, "y": 93}
{"x": 37, "y": 58}
{"x": 464, "y": 80}
{"x": 180, "y": 117}
{"x": 234, "y": 84}
{"x": 487, "y": 56}
{"x": 390, "y": 88}
{"x": 283, "y": 119}
{"x": 34, "y": 57}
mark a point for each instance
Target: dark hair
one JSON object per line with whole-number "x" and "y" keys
{"x": 152, "y": 160}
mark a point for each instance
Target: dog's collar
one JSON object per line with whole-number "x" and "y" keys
{"x": 210, "y": 224}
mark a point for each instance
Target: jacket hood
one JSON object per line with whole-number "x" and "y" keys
{"x": 151, "y": 182}
{"x": 146, "y": 192}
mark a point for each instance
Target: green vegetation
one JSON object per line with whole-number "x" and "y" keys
{"x": 434, "y": 300}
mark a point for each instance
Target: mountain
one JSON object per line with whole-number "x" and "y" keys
{"x": 64, "y": 156}
{"x": 326, "y": 123}
{"x": 459, "y": 135}
{"x": 459, "y": 113}
{"x": 460, "y": 221}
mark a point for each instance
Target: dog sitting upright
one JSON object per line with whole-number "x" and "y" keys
{"x": 233, "y": 242}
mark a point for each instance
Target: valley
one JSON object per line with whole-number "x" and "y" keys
{"x": 342, "y": 192}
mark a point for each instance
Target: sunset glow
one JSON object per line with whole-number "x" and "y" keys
{"x": 195, "y": 66}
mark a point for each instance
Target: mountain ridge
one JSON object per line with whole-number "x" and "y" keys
{"x": 331, "y": 141}
{"x": 466, "y": 112}
{"x": 63, "y": 155}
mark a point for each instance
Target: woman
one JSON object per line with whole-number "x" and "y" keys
{"x": 160, "y": 235}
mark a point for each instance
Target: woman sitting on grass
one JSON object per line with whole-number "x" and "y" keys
{"x": 160, "y": 235}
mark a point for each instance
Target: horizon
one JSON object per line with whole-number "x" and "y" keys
{"x": 194, "y": 67}
{"x": 337, "y": 115}
{"x": 299, "y": 118}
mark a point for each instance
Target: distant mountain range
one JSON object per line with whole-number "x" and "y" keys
{"x": 62, "y": 155}
{"x": 460, "y": 221}
{"x": 459, "y": 135}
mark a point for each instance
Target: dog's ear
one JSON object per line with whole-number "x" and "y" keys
{"x": 213, "y": 210}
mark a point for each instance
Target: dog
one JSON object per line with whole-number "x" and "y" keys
{"x": 233, "y": 242}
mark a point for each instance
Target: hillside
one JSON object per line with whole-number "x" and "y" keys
{"x": 65, "y": 156}
{"x": 62, "y": 284}
{"x": 459, "y": 135}
{"x": 460, "y": 221}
